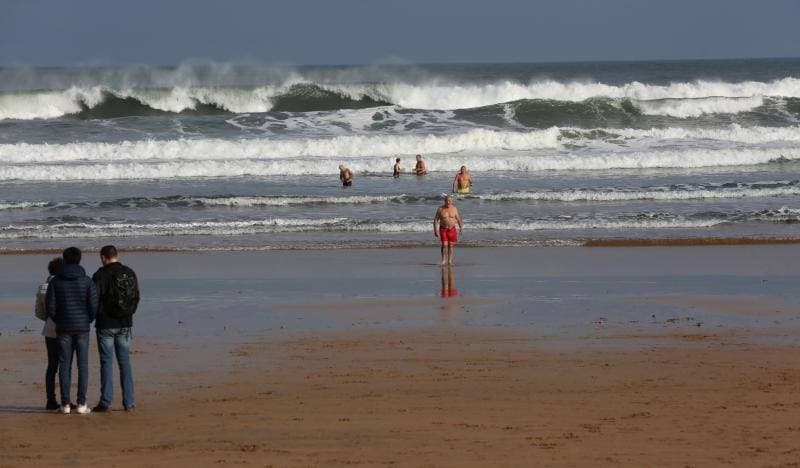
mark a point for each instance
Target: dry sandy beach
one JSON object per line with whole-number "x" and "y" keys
{"x": 658, "y": 356}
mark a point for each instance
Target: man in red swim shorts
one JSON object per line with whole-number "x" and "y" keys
{"x": 444, "y": 227}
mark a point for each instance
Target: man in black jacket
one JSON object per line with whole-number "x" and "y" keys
{"x": 118, "y": 289}
{"x": 71, "y": 301}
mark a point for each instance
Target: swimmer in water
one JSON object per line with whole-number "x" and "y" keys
{"x": 396, "y": 170}
{"x": 420, "y": 168}
{"x": 462, "y": 181}
{"x": 346, "y": 176}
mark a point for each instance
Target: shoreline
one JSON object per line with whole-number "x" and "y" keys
{"x": 594, "y": 243}
{"x": 691, "y": 242}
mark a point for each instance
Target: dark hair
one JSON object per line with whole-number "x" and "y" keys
{"x": 72, "y": 255}
{"x": 109, "y": 251}
{"x": 398, "y": 159}
{"x": 54, "y": 266}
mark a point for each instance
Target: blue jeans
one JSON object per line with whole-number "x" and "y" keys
{"x": 52, "y": 367}
{"x": 109, "y": 341}
{"x": 79, "y": 345}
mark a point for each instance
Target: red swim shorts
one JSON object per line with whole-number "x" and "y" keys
{"x": 448, "y": 235}
{"x": 451, "y": 292}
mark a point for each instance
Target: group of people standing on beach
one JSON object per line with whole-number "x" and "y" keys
{"x": 68, "y": 302}
{"x": 447, "y": 216}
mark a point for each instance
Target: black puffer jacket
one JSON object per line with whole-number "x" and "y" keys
{"x": 71, "y": 300}
{"x": 107, "y": 316}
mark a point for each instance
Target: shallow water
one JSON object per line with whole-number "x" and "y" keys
{"x": 560, "y": 294}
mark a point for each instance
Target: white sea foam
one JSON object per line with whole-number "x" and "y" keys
{"x": 368, "y": 121}
{"x": 219, "y": 228}
{"x": 380, "y": 146}
{"x": 20, "y": 205}
{"x": 48, "y": 104}
{"x": 288, "y": 201}
{"x": 277, "y": 225}
{"x": 480, "y": 149}
{"x": 695, "y": 107}
{"x": 232, "y": 166}
{"x": 629, "y": 195}
{"x": 184, "y": 98}
{"x": 342, "y": 146}
{"x": 732, "y": 133}
{"x": 783, "y": 213}
{"x": 52, "y": 104}
{"x": 539, "y": 225}
{"x": 597, "y": 224}
{"x": 701, "y": 96}
{"x": 760, "y": 189}
{"x": 462, "y": 96}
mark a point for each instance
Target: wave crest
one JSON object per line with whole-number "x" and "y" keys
{"x": 681, "y": 100}
{"x": 343, "y": 146}
{"x": 151, "y": 160}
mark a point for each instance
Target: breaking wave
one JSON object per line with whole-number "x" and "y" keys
{"x": 680, "y": 100}
{"x": 450, "y": 96}
{"x": 103, "y": 103}
{"x": 480, "y": 149}
{"x": 125, "y": 163}
{"x": 342, "y": 146}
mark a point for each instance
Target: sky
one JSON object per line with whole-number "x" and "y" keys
{"x": 300, "y": 32}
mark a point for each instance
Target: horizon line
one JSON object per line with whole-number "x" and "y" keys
{"x": 399, "y": 63}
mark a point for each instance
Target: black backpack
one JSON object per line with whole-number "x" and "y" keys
{"x": 123, "y": 293}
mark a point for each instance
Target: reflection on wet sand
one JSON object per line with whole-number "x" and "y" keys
{"x": 448, "y": 282}
{"x": 450, "y": 310}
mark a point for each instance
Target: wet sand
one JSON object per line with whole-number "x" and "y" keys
{"x": 691, "y": 241}
{"x": 645, "y": 372}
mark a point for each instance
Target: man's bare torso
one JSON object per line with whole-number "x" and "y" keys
{"x": 463, "y": 180}
{"x": 448, "y": 217}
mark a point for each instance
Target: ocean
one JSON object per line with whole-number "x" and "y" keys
{"x": 210, "y": 156}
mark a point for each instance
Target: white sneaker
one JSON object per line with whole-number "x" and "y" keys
{"x": 83, "y": 409}
{"x": 65, "y": 409}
